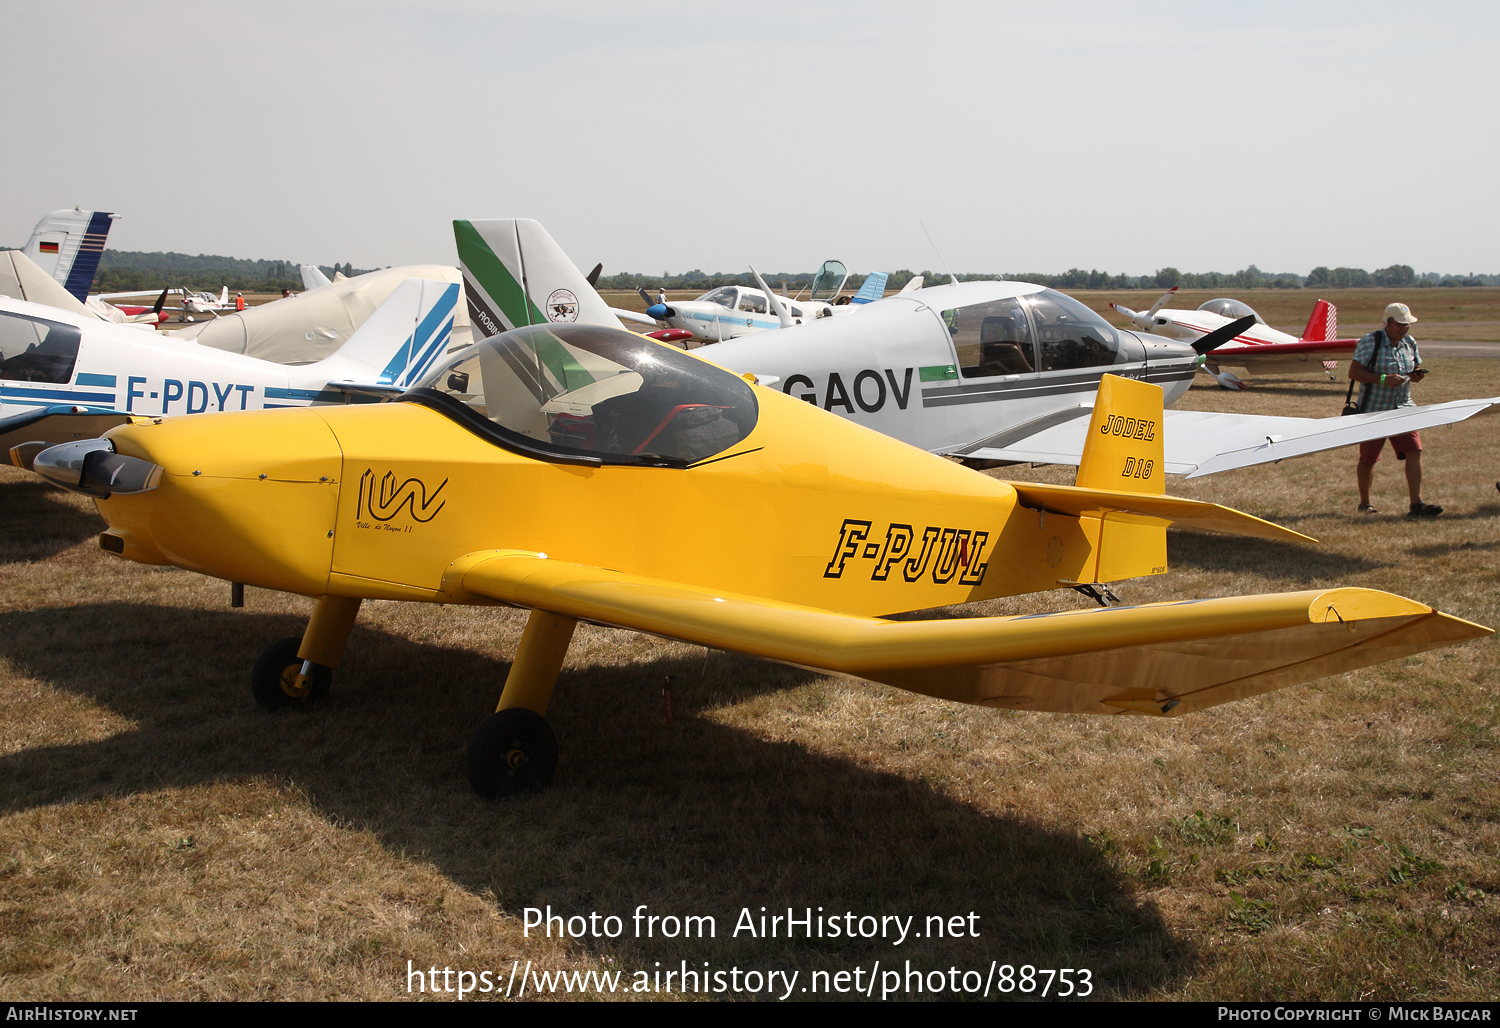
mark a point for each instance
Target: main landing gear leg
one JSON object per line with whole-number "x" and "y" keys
{"x": 515, "y": 750}
{"x": 299, "y": 672}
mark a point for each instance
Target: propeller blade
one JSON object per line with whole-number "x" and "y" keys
{"x": 1139, "y": 320}
{"x": 650, "y": 300}
{"x": 1219, "y": 336}
{"x": 1157, "y": 305}
{"x": 160, "y": 302}
{"x": 593, "y": 276}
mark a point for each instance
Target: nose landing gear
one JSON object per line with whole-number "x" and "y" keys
{"x": 281, "y": 679}
{"x": 299, "y": 672}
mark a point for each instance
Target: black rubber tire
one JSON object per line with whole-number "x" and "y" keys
{"x": 277, "y": 668}
{"x": 513, "y": 751}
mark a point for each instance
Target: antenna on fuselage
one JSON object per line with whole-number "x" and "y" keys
{"x": 952, "y": 278}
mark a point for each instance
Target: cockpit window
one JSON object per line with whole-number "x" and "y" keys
{"x": 723, "y": 296}
{"x": 755, "y": 303}
{"x": 1070, "y": 335}
{"x": 34, "y": 350}
{"x": 578, "y": 390}
{"x": 1231, "y": 309}
{"x": 991, "y": 338}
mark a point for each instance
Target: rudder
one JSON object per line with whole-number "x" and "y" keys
{"x": 67, "y": 245}
{"x": 1323, "y": 325}
{"x": 399, "y": 342}
{"x": 515, "y": 274}
{"x": 873, "y": 288}
{"x": 1125, "y": 452}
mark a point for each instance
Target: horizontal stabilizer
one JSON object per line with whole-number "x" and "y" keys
{"x": 1265, "y": 356}
{"x": 632, "y": 316}
{"x": 1164, "y": 658}
{"x": 1205, "y": 442}
{"x": 1146, "y": 509}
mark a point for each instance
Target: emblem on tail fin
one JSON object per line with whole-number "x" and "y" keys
{"x": 562, "y": 305}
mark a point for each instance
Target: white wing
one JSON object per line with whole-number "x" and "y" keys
{"x": 635, "y": 316}
{"x": 1203, "y": 442}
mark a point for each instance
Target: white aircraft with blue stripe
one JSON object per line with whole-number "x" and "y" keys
{"x": 731, "y": 311}
{"x": 62, "y": 372}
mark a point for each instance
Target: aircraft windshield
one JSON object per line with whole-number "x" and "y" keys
{"x": 34, "y": 350}
{"x": 600, "y": 392}
{"x": 1231, "y": 309}
{"x": 1070, "y": 335}
{"x": 828, "y": 281}
{"x": 724, "y": 296}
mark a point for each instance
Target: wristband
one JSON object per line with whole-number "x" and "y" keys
{"x": 1382, "y": 380}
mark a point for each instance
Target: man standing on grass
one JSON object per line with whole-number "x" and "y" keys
{"x": 1387, "y": 362}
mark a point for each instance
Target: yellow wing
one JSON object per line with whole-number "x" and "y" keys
{"x": 1162, "y": 658}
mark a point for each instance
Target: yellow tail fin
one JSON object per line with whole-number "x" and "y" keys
{"x": 1124, "y": 452}
{"x": 1124, "y": 448}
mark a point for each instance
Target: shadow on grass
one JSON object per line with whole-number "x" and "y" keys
{"x": 692, "y": 818}
{"x": 1290, "y": 561}
{"x": 40, "y": 523}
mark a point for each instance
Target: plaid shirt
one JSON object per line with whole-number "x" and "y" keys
{"x": 1400, "y": 359}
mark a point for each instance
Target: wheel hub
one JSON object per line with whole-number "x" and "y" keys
{"x": 294, "y": 683}
{"x": 515, "y": 759}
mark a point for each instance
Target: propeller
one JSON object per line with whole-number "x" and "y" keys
{"x": 593, "y": 276}
{"x": 1144, "y": 320}
{"x": 1219, "y": 336}
{"x": 659, "y": 311}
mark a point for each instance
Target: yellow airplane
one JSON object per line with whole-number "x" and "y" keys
{"x": 540, "y": 467}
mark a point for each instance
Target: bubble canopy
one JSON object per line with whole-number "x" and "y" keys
{"x": 584, "y": 394}
{"x": 1231, "y": 309}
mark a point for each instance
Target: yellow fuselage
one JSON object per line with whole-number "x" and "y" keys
{"x": 377, "y": 501}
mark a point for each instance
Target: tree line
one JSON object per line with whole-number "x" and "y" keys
{"x": 121, "y": 270}
{"x": 1397, "y": 276}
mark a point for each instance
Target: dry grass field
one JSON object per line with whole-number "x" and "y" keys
{"x": 162, "y": 838}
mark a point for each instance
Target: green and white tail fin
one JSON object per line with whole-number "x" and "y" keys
{"x": 515, "y": 274}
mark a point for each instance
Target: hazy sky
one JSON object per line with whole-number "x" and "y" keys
{"x": 660, "y": 136}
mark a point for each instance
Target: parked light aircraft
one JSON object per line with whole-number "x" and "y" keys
{"x": 104, "y": 305}
{"x": 208, "y": 303}
{"x": 65, "y": 374}
{"x": 731, "y": 311}
{"x": 1006, "y": 371}
{"x": 532, "y": 470}
{"x": 1261, "y": 349}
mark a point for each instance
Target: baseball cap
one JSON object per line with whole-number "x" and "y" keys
{"x": 1400, "y": 313}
